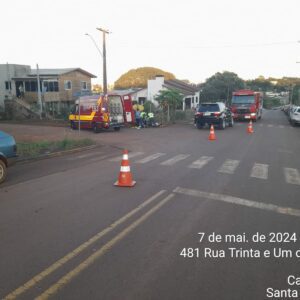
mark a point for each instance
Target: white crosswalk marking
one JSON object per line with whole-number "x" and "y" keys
{"x": 270, "y": 125}
{"x": 130, "y": 155}
{"x": 202, "y": 161}
{"x": 292, "y": 176}
{"x": 94, "y": 154}
{"x": 229, "y": 166}
{"x": 175, "y": 159}
{"x": 150, "y": 158}
{"x": 260, "y": 171}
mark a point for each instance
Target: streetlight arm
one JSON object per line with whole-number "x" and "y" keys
{"x": 95, "y": 44}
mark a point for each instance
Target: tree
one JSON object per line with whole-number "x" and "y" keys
{"x": 168, "y": 100}
{"x": 97, "y": 88}
{"x": 138, "y": 78}
{"x": 260, "y": 84}
{"x": 220, "y": 86}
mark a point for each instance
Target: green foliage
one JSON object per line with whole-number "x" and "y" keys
{"x": 259, "y": 84}
{"x": 139, "y": 77}
{"x": 168, "y": 100}
{"x": 220, "y": 86}
{"x": 296, "y": 95}
{"x": 149, "y": 106}
{"x": 271, "y": 102}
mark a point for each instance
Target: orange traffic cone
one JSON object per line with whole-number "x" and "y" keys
{"x": 125, "y": 177}
{"x": 250, "y": 128}
{"x": 212, "y": 136}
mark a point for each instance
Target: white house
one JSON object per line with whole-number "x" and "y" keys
{"x": 191, "y": 94}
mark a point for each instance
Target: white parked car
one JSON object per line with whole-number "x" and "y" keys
{"x": 295, "y": 115}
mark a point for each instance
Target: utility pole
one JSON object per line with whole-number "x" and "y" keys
{"x": 39, "y": 91}
{"x": 104, "y": 32}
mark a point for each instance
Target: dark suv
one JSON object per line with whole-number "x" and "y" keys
{"x": 213, "y": 114}
{"x": 8, "y": 153}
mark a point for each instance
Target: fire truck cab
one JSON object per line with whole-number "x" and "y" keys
{"x": 246, "y": 105}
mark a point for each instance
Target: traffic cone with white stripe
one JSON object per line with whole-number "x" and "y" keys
{"x": 250, "y": 128}
{"x": 212, "y": 136}
{"x": 125, "y": 177}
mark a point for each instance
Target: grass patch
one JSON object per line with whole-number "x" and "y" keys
{"x": 33, "y": 149}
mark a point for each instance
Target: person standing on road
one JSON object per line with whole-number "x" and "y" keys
{"x": 138, "y": 118}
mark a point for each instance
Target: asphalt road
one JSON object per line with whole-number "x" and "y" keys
{"x": 68, "y": 233}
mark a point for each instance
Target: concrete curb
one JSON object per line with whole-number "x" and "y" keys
{"x": 55, "y": 154}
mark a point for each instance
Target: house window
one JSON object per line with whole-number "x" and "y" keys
{"x": 68, "y": 84}
{"x": 31, "y": 86}
{"x": 50, "y": 85}
{"x": 8, "y": 85}
{"x": 84, "y": 85}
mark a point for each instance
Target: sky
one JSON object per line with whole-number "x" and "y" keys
{"x": 193, "y": 39}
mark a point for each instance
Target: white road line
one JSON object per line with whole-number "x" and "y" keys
{"x": 270, "y": 125}
{"x": 130, "y": 155}
{"x": 229, "y": 166}
{"x": 95, "y": 154}
{"x": 62, "y": 261}
{"x": 202, "y": 161}
{"x": 292, "y": 176}
{"x": 67, "y": 278}
{"x": 260, "y": 171}
{"x": 175, "y": 159}
{"x": 261, "y": 125}
{"x": 150, "y": 158}
{"x": 281, "y": 126}
{"x": 239, "y": 201}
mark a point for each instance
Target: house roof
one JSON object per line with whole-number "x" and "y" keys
{"x": 57, "y": 72}
{"x": 127, "y": 92}
{"x": 184, "y": 88}
{"x": 48, "y": 73}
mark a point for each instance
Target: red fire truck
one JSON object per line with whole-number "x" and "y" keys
{"x": 246, "y": 105}
{"x": 102, "y": 112}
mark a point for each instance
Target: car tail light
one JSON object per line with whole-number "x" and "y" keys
{"x": 199, "y": 114}
{"x": 217, "y": 114}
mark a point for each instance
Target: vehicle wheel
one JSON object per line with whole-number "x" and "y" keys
{"x": 231, "y": 122}
{"x": 95, "y": 128}
{"x": 199, "y": 126}
{"x": 73, "y": 126}
{"x": 222, "y": 124}
{"x": 3, "y": 171}
{"x": 117, "y": 128}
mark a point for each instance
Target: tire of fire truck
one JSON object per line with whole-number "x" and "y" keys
{"x": 73, "y": 126}
{"x": 117, "y": 128}
{"x": 95, "y": 128}
{"x": 231, "y": 122}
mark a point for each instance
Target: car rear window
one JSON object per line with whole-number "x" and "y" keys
{"x": 208, "y": 107}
